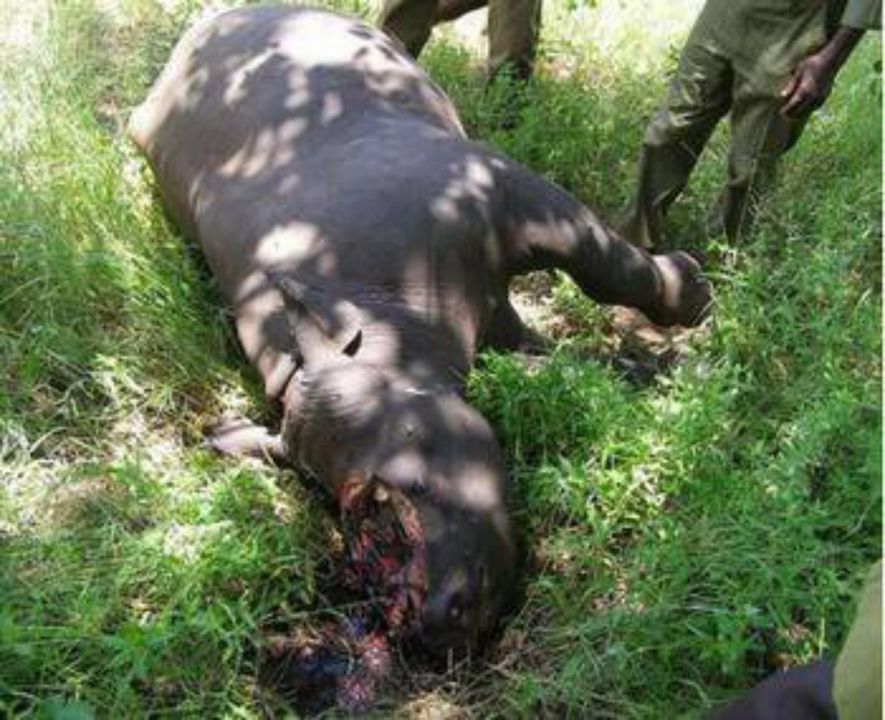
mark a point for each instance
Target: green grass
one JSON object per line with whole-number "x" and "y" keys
{"x": 682, "y": 538}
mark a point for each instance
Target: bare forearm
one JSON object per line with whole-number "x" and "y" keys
{"x": 840, "y": 47}
{"x": 813, "y": 79}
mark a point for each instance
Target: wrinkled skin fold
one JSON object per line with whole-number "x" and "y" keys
{"x": 366, "y": 246}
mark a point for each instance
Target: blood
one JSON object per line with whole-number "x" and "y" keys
{"x": 339, "y": 663}
{"x": 386, "y": 553}
{"x": 348, "y": 661}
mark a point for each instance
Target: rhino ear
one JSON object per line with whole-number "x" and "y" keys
{"x": 323, "y": 324}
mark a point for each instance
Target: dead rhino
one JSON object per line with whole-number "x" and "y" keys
{"x": 366, "y": 247}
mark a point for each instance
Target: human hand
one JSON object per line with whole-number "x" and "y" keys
{"x": 809, "y": 87}
{"x": 813, "y": 78}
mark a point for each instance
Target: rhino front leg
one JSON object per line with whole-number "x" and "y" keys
{"x": 544, "y": 227}
{"x": 243, "y": 438}
{"x": 508, "y": 332}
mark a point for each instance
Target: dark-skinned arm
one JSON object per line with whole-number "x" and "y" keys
{"x": 813, "y": 80}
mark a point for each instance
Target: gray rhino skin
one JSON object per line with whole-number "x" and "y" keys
{"x": 366, "y": 247}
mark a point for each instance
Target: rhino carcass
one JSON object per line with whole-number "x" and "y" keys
{"x": 366, "y": 247}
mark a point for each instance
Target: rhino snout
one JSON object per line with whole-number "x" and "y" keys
{"x": 471, "y": 582}
{"x": 454, "y": 611}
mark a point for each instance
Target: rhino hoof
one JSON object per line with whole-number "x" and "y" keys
{"x": 686, "y": 296}
{"x": 242, "y": 438}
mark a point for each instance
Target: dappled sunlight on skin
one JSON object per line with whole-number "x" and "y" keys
{"x": 472, "y": 492}
{"x": 472, "y": 184}
{"x": 754, "y": 463}
{"x": 367, "y": 247}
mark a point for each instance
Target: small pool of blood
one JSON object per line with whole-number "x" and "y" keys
{"x": 346, "y": 661}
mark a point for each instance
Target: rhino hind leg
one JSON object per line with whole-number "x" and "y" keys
{"x": 547, "y": 228}
{"x": 243, "y": 438}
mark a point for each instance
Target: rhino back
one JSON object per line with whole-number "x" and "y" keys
{"x": 308, "y": 142}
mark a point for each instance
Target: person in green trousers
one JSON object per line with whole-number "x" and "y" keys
{"x": 770, "y": 63}
{"x": 849, "y": 689}
{"x": 857, "y": 679}
{"x": 513, "y": 28}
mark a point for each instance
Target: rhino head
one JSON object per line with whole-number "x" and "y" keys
{"x": 417, "y": 472}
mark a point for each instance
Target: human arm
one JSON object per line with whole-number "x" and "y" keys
{"x": 813, "y": 79}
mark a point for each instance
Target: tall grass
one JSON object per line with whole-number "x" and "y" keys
{"x": 683, "y": 537}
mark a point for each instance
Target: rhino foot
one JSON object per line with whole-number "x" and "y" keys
{"x": 686, "y": 296}
{"x": 508, "y": 333}
{"x": 243, "y": 438}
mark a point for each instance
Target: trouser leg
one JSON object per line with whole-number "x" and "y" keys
{"x": 857, "y": 685}
{"x": 449, "y": 10}
{"x": 410, "y": 21}
{"x": 513, "y": 36}
{"x": 759, "y": 136}
{"x": 698, "y": 98}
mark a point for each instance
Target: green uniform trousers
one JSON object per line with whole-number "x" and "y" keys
{"x": 739, "y": 56}
{"x": 857, "y": 684}
{"x": 513, "y": 29}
